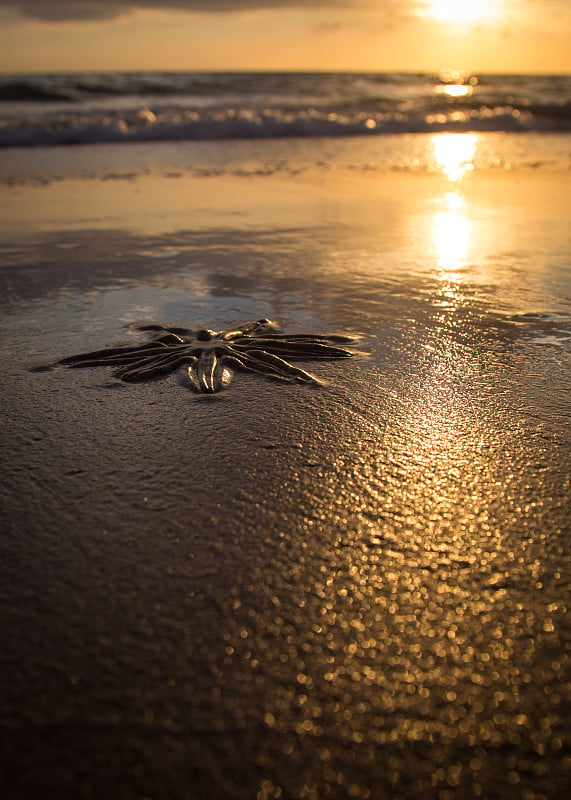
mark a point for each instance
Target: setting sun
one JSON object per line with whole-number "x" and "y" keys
{"x": 467, "y": 11}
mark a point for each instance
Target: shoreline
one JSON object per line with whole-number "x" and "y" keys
{"x": 411, "y": 152}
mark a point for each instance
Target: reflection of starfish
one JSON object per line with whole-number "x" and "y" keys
{"x": 210, "y": 355}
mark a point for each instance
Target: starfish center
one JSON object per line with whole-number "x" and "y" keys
{"x": 205, "y": 335}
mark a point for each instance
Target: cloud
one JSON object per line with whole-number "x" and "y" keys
{"x": 61, "y": 10}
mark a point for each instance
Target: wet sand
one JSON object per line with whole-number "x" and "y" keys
{"x": 357, "y": 590}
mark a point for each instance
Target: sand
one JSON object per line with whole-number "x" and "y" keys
{"x": 356, "y": 590}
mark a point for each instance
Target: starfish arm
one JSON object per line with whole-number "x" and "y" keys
{"x": 170, "y": 339}
{"x": 113, "y": 355}
{"x": 234, "y": 359}
{"x": 209, "y": 373}
{"x": 243, "y": 361}
{"x": 267, "y": 363}
{"x": 296, "y": 349}
{"x": 192, "y": 362}
{"x": 177, "y": 330}
{"x": 247, "y": 363}
{"x": 260, "y": 327}
{"x": 150, "y": 368}
{"x": 332, "y": 338}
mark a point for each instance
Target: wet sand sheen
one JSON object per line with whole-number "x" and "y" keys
{"x": 354, "y": 590}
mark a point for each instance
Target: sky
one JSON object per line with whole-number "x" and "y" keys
{"x": 375, "y": 35}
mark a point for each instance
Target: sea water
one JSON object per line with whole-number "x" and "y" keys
{"x": 154, "y": 106}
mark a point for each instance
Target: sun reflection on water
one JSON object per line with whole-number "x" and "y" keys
{"x": 454, "y": 90}
{"x": 451, "y": 225}
{"x": 454, "y": 153}
{"x": 451, "y": 235}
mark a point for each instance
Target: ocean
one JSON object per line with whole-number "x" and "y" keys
{"x": 178, "y": 106}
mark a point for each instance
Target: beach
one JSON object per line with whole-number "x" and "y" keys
{"x": 356, "y": 589}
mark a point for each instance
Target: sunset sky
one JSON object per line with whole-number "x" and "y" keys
{"x": 417, "y": 35}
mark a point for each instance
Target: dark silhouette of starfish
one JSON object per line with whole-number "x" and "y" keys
{"x": 210, "y": 356}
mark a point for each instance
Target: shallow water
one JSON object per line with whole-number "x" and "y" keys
{"x": 280, "y": 591}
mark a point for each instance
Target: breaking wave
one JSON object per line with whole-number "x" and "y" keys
{"x": 144, "y": 107}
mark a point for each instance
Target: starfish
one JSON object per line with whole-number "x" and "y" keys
{"x": 210, "y": 356}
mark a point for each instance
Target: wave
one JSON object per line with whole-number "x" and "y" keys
{"x": 146, "y": 126}
{"x": 144, "y": 107}
{"x": 82, "y": 86}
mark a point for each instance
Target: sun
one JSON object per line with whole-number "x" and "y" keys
{"x": 461, "y": 11}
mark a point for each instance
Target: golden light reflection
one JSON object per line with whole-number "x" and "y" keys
{"x": 454, "y": 90}
{"x": 454, "y": 153}
{"x": 462, "y": 11}
{"x": 451, "y": 235}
